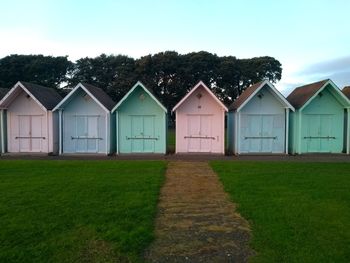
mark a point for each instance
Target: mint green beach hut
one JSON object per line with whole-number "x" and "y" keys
{"x": 318, "y": 124}
{"x": 141, "y": 122}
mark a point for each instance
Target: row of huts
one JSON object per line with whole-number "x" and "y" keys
{"x": 313, "y": 119}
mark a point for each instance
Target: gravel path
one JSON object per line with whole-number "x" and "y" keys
{"x": 196, "y": 221}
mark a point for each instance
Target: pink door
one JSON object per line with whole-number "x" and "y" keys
{"x": 30, "y": 133}
{"x": 193, "y": 125}
{"x": 205, "y": 133}
{"x": 37, "y": 136}
{"x": 199, "y": 134}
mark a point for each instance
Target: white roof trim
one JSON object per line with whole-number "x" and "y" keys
{"x": 200, "y": 83}
{"x": 15, "y": 87}
{"x": 276, "y": 92}
{"x": 336, "y": 89}
{"x": 80, "y": 85}
{"x": 139, "y": 83}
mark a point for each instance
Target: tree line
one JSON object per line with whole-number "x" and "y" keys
{"x": 169, "y": 75}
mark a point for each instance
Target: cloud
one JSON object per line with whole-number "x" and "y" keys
{"x": 331, "y": 66}
{"x": 337, "y": 69}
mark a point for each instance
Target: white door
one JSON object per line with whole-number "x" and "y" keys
{"x": 199, "y": 137}
{"x": 30, "y": 133}
{"x": 24, "y": 133}
{"x": 36, "y": 131}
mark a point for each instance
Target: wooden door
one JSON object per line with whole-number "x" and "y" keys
{"x": 326, "y": 134}
{"x": 199, "y": 136}
{"x": 262, "y": 133}
{"x": 30, "y": 133}
{"x": 149, "y": 134}
{"x": 36, "y": 133}
{"x": 24, "y": 133}
{"x": 267, "y": 137}
{"x": 205, "y": 133}
{"x": 193, "y": 133}
{"x": 319, "y": 136}
{"x": 86, "y": 138}
{"x": 142, "y": 134}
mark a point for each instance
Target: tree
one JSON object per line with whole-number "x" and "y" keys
{"x": 44, "y": 70}
{"x": 114, "y": 74}
{"x": 168, "y": 74}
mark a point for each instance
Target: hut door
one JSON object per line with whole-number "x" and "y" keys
{"x": 319, "y": 133}
{"x": 261, "y": 133}
{"x": 30, "y": 133}
{"x": 24, "y": 133}
{"x": 142, "y": 134}
{"x": 199, "y": 133}
{"x": 86, "y": 139}
{"x": 36, "y": 132}
{"x": 205, "y": 133}
{"x": 266, "y": 133}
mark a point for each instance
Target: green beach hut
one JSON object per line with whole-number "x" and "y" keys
{"x": 318, "y": 124}
{"x": 141, "y": 122}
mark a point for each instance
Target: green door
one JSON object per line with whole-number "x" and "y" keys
{"x": 142, "y": 134}
{"x": 319, "y": 137}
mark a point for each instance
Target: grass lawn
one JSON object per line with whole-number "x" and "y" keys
{"x": 299, "y": 212}
{"x": 77, "y": 211}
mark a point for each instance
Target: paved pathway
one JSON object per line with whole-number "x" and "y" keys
{"x": 196, "y": 221}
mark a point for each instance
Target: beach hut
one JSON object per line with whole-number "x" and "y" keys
{"x": 85, "y": 121}
{"x": 141, "y": 122}
{"x": 318, "y": 125}
{"x": 258, "y": 121}
{"x": 200, "y": 122}
{"x": 30, "y": 126}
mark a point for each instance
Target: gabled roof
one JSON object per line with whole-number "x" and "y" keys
{"x": 138, "y": 84}
{"x": 3, "y": 92}
{"x": 251, "y": 91}
{"x": 47, "y": 98}
{"x": 346, "y": 91}
{"x": 301, "y": 96}
{"x": 97, "y": 94}
{"x": 200, "y": 84}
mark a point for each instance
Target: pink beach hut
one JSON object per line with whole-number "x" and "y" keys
{"x": 30, "y": 125}
{"x": 200, "y": 122}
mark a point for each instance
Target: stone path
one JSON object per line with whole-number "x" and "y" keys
{"x": 196, "y": 221}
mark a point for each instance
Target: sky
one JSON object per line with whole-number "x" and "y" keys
{"x": 311, "y": 38}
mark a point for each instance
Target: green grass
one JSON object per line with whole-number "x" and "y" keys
{"x": 77, "y": 211}
{"x": 299, "y": 212}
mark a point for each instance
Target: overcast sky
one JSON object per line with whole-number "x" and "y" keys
{"x": 311, "y": 38}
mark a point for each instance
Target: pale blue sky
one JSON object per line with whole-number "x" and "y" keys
{"x": 310, "y": 38}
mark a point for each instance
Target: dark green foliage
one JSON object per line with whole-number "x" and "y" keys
{"x": 168, "y": 74}
{"x": 38, "y": 69}
{"x": 299, "y": 212}
{"x": 114, "y": 74}
{"x": 77, "y": 211}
